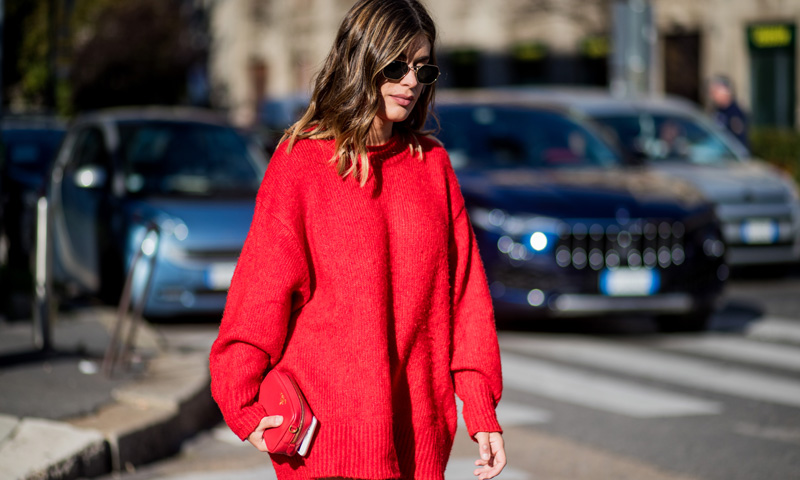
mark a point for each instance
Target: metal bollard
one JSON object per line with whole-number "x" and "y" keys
{"x": 43, "y": 305}
{"x": 115, "y": 353}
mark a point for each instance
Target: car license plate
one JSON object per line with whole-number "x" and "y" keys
{"x": 759, "y": 232}
{"x": 629, "y": 282}
{"x": 219, "y": 275}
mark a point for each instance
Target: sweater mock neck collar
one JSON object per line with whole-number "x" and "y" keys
{"x": 389, "y": 150}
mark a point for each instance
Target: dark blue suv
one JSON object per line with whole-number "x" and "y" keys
{"x": 566, "y": 229}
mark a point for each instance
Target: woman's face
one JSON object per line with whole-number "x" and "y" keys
{"x": 398, "y": 97}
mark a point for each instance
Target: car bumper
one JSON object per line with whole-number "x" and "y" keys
{"x": 744, "y": 255}
{"x": 575, "y": 305}
{"x": 185, "y": 289}
{"x": 761, "y": 234}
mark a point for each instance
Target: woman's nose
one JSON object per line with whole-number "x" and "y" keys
{"x": 410, "y": 79}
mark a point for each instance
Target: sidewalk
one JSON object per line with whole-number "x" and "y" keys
{"x": 62, "y": 418}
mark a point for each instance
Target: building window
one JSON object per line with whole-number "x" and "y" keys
{"x": 682, "y": 65}
{"x": 594, "y": 60}
{"x": 773, "y": 91}
{"x": 528, "y": 63}
{"x": 462, "y": 68}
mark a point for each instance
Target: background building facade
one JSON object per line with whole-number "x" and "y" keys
{"x": 268, "y": 48}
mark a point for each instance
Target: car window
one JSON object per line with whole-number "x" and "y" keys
{"x": 89, "y": 149}
{"x": 668, "y": 137}
{"x": 507, "y": 137}
{"x": 172, "y": 158}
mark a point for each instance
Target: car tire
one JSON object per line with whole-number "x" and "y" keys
{"x": 691, "y": 322}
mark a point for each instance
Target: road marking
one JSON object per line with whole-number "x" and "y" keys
{"x": 511, "y": 414}
{"x": 700, "y": 374}
{"x": 737, "y": 349}
{"x": 462, "y": 468}
{"x": 780, "y": 434}
{"x": 224, "y": 434}
{"x": 597, "y": 391}
{"x": 775, "y": 329}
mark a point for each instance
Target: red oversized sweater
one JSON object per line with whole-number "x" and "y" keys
{"x": 375, "y": 299}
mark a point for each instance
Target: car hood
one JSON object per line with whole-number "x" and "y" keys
{"x": 218, "y": 225}
{"x": 731, "y": 182}
{"x": 581, "y": 194}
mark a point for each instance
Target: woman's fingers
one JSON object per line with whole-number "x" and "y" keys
{"x": 270, "y": 422}
{"x": 257, "y": 437}
{"x": 484, "y": 450}
{"x": 492, "y": 455}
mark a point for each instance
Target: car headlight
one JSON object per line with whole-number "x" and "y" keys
{"x": 520, "y": 236}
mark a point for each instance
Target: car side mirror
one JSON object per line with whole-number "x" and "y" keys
{"x": 90, "y": 176}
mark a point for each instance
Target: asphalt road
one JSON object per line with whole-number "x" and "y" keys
{"x": 611, "y": 399}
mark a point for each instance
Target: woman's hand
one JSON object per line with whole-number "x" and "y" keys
{"x": 257, "y": 437}
{"x": 493, "y": 455}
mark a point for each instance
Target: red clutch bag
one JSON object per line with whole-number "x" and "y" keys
{"x": 280, "y": 395}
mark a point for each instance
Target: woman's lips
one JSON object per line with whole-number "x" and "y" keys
{"x": 403, "y": 100}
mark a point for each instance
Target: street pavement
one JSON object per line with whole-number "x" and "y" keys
{"x": 61, "y": 417}
{"x": 595, "y": 400}
{"x": 612, "y": 400}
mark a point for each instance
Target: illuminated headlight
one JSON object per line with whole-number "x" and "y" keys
{"x": 538, "y": 241}
{"x": 519, "y": 235}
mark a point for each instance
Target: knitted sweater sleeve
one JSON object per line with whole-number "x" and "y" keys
{"x": 475, "y": 362}
{"x": 270, "y": 282}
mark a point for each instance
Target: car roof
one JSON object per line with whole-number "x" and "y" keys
{"x": 598, "y": 101}
{"x": 497, "y": 97}
{"x": 32, "y": 122}
{"x": 153, "y": 113}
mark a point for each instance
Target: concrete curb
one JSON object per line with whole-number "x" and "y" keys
{"x": 147, "y": 420}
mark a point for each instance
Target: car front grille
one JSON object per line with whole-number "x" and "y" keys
{"x": 642, "y": 243}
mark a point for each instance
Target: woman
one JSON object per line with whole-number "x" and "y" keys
{"x": 360, "y": 275}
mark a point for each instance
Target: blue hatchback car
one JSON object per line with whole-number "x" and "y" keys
{"x": 186, "y": 173}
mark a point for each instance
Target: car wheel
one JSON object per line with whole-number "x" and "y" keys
{"x": 691, "y": 322}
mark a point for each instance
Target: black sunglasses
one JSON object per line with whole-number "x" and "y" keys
{"x": 426, "y": 74}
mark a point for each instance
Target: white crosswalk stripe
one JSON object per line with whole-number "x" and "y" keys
{"x": 512, "y": 414}
{"x": 782, "y": 357}
{"x": 667, "y": 367}
{"x": 598, "y": 391}
{"x": 775, "y": 329}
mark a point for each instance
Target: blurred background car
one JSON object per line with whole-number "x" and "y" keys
{"x": 758, "y": 204}
{"x": 565, "y": 230}
{"x": 29, "y": 144}
{"x": 183, "y": 170}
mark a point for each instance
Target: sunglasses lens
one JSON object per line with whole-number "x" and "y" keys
{"x": 395, "y": 70}
{"x": 427, "y": 74}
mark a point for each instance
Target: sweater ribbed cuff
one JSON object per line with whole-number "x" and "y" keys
{"x": 247, "y": 420}
{"x": 479, "y": 412}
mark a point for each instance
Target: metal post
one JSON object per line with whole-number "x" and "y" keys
{"x": 43, "y": 305}
{"x": 634, "y": 45}
{"x": 114, "y": 352}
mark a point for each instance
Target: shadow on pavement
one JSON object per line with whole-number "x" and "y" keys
{"x": 733, "y": 316}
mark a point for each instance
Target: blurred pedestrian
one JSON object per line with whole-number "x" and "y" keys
{"x": 726, "y": 110}
{"x": 361, "y": 276}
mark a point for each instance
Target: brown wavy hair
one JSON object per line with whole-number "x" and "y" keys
{"x": 346, "y": 94}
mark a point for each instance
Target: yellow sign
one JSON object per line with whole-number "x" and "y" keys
{"x": 771, "y": 36}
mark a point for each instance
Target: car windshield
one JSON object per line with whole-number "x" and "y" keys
{"x": 509, "y": 137}
{"x": 668, "y": 137}
{"x": 171, "y": 158}
{"x": 31, "y": 149}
